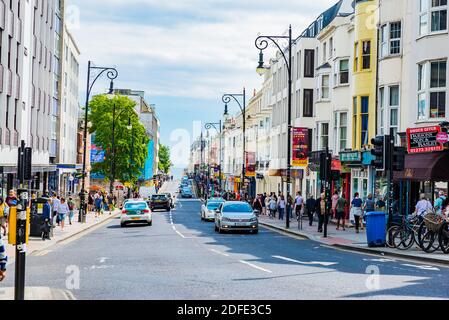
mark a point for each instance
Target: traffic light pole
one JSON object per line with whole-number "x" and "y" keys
{"x": 327, "y": 190}
{"x": 389, "y": 140}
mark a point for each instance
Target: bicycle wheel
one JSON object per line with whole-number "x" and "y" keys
{"x": 390, "y": 232}
{"x": 403, "y": 239}
{"x": 421, "y": 232}
{"x": 430, "y": 242}
{"x": 443, "y": 238}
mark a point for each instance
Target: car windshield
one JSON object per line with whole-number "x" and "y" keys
{"x": 135, "y": 206}
{"x": 237, "y": 207}
{"x": 159, "y": 197}
{"x": 213, "y": 205}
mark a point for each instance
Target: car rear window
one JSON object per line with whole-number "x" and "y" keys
{"x": 237, "y": 207}
{"x": 135, "y": 206}
{"x": 159, "y": 197}
{"x": 213, "y": 205}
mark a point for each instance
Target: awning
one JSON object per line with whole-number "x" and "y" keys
{"x": 425, "y": 167}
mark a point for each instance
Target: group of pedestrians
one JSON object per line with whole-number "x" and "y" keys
{"x": 99, "y": 202}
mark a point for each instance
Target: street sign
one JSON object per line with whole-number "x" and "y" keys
{"x": 422, "y": 140}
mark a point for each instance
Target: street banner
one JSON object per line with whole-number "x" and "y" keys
{"x": 300, "y": 137}
{"x": 250, "y": 170}
{"x": 425, "y": 139}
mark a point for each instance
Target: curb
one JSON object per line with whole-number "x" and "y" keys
{"x": 66, "y": 238}
{"x": 360, "y": 249}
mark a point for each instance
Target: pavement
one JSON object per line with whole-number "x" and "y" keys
{"x": 182, "y": 257}
{"x": 350, "y": 240}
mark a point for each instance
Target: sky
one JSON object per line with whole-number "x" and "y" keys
{"x": 185, "y": 54}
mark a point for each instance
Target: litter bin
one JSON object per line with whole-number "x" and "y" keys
{"x": 37, "y": 209}
{"x": 376, "y": 229}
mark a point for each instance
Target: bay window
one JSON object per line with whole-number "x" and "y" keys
{"x": 341, "y": 72}
{"x": 433, "y": 13}
{"x": 325, "y": 87}
{"x": 390, "y": 42}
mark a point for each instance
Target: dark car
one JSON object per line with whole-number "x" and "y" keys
{"x": 170, "y": 198}
{"x": 160, "y": 201}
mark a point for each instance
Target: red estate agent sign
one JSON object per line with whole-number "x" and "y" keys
{"x": 421, "y": 140}
{"x": 442, "y": 137}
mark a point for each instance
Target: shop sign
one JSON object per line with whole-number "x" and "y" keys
{"x": 250, "y": 169}
{"x": 442, "y": 137}
{"x": 300, "y": 137}
{"x": 422, "y": 140}
{"x": 350, "y": 156}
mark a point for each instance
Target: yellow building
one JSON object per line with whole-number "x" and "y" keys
{"x": 364, "y": 73}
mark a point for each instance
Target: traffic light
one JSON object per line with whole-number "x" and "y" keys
{"x": 379, "y": 152}
{"x": 399, "y": 158}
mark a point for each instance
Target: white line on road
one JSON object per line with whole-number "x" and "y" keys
{"x": 254, "y": 266}
{"x": 421, "y": 267}
{"x": 219, "y": 252}
{"x": 322, "y": 263}
{"x": 42, "y": 253}
{"x": 180, "y": 234}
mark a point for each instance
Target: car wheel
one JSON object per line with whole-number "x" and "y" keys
{"x": 216, "y": 228}
{"x": 220, "y": 230}
{"x": 255, "y": 231}
{"x": 150, "y": 223}
{"x": 122, "y": 225}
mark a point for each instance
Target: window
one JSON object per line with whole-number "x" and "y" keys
{"x": 395, "y": 37}
{"x": 340, "y": 130}
{"x": 384, "y": 40}
{"x": 432, "y": 89}
{"x": 435, "y": 12}
{"x": 394, "y": 106}
{"x": 355, "y": 113}
{"x": 308, "y": 103}
{"x": 325, "y": 87}
{"x": 324, "y": 52}
{"x": 324, "y": 135}
{"x": 382, "y": 110}
{"x": 343, "y": 75}
{"x": 309, "y": 64}
{"x": 356, "y": 56}
{"x": 331, "y": 48}
{"x": 365, "y": 121}
{"x": 366, "y": 55}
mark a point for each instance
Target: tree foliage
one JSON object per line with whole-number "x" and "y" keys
{"x": 164, "y": 158}
{"x": 127, "y": 140}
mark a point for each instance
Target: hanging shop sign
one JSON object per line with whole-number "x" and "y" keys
{"x": 300, "y": 146}
{"x": 250, "y": 170}
{"x": 350, "y": 156}
{"x": 422, "y": 140}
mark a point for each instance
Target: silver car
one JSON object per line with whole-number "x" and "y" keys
{"x": 236, "y": 215}
{"x": 208, "y": 210}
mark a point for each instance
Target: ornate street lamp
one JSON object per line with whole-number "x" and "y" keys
{"x": 214, "y": 125}
{"x": 261, "y": 44}
{"x": 227, "y": 99}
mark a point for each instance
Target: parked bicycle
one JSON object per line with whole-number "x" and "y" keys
{"x": 407, "y": 234}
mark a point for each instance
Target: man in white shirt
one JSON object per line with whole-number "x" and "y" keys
{"x": 299, "y": 201}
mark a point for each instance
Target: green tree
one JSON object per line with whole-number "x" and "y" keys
{"x": 164, "y": 158}
{"x": 126, "y": 138}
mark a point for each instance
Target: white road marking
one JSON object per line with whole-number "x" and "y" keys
{"x": 254, "y": 266}
{"x": 322, "y": 263}
{"x": 180, "y": 234}
{"x": 380, "y": 260}
{"x": 219, "y": 252}
{"x": 421, "y": 267}
{"x": 103, "y": 259}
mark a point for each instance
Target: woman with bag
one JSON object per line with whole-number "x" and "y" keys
{"x": 356, "y": 210}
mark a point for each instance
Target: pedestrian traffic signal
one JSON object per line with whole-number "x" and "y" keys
{"x": 379, "y": 152}
{"x": 399, "y": 158}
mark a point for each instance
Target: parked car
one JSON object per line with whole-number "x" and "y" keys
{"x": 236, "y": 215}
{"x": 208, "y": 210}
{"x": 160, "y": 201}
{"x": 136, "y": 212}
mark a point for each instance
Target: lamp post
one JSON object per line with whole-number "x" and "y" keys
{"x": 261, "y": 44}
{"x": 214, "y": 125}
{"x": 112, "y": 74}
{"x": 227, "y": 99}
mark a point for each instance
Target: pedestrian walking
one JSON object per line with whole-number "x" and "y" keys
{"x": 281, "y": 207}
{"x": 98, "y": 202}
{"x": 4, "y": 209}
{"x": 340, "y": 211}
{"x": 380, "y": 204}
{"x": 267, "y": 205}
{"x": 11, "y": 200}
{"x": 320, "y": 208}
{"x": 46, "y": 220}
{"x": 290, "y": 205}
{"x": 298, "y": 205}
{"x": 272, "y": 205}
{"x": 63, "y": 212}
{"x": 311, "y": 208}
{"x": 110, "y": 203}
{"x": 71, "y": 205}
{"x": 264, "y": 204}
{"x": 356, "y": 210}
{"x": 90, "y": 202}
{"x": 55, "y": 207}
{"x": 439, "y": 202}
{"x": 335, "y": 198}
{"x": 3, "y": 259}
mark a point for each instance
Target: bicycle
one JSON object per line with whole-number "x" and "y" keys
{"x": 405, "y": 235}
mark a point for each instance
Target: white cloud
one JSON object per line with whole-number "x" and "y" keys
{"x": 197, "y": 58}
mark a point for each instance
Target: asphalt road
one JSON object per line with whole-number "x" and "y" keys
{"x": 181, "y": 257}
